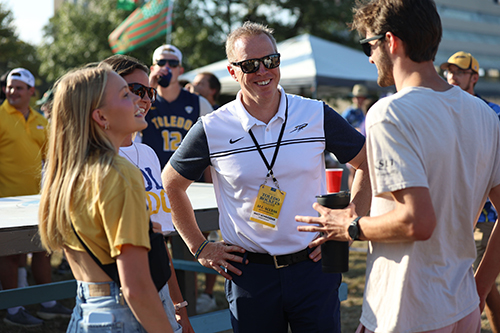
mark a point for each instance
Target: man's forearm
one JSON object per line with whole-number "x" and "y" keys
{"x": 184, "y": 219}
{"x": 182, "y": 211}
{"x": 361, "y": 192}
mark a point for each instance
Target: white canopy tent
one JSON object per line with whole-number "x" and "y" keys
{"x": 310, "y": 66}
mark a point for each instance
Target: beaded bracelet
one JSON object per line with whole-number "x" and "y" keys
{"x": 202, "y": 246}
{"x": 180, "y": 305}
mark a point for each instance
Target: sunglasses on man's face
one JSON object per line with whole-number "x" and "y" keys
{"x": 252, "y": 65}
{"x": 172, "y": 63}
{"x": 141, "y": 91}
{"x": 367, "y": 47}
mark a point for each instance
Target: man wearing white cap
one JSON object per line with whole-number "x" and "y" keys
{"x": 23, "y": 136}
{"x": 175, "y": 109}
{"x": 461, "y": 70}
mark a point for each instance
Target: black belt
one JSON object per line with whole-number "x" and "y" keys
{"x": 278, "y": 261}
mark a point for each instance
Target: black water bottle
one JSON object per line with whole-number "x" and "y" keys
{"x": 334, "y": 254}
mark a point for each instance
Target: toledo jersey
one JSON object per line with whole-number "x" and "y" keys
{"x": 168, "y": 123}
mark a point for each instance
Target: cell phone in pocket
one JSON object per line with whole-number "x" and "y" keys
{"x": 101, "y": 318}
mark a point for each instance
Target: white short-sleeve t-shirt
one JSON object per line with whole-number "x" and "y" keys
{"x": 448, "y": 142}
{"x": 145, "y": 158}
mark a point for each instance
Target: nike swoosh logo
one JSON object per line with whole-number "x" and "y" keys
{"x": 231, "y": 141}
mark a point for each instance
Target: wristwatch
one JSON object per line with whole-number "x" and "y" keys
{"x": 354, "y": 228}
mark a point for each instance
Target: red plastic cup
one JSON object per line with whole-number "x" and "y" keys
{"x": 333, "y": 180}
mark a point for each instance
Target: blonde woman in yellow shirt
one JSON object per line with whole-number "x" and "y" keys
{"x": 93, "y": 203}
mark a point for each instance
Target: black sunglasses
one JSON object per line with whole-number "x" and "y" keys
{"x": 367, "y": 48}
{"x": 252, "y": 65}
{"x": 141, "y": 90}
{"x": 172, "y": 63}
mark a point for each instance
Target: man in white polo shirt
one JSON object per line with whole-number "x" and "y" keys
{"x": 266, "y": 152}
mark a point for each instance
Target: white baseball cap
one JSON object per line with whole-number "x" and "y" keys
{"x": 167, "y": 49}
{"x": 23, "y": 75}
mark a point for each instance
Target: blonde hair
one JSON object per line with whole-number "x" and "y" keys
{"x": 79, "y": 151}
{"x": 248, "y": 29}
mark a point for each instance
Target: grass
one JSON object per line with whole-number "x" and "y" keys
{"x": 355, "y": 279}
{"x": 350, "y": 308}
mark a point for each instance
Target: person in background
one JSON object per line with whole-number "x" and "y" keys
{"x": 23, "y": 138}
{"x": 207, "y": 85}
{"x": 175, "y": 109}
{"x": 462, "y": 70}
{"x": 92, "y": 204}
{"x": 45, "y": 103}
{"x": 355, "y": 114}
{"x": 3, "y": 86}
{"x": 143, "y": 157}
{"x": 273, "y": 275}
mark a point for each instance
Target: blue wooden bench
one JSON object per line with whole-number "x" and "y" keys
{"x": 216, "y": 321}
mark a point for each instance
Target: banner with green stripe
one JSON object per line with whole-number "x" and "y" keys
{"x": 143, "y": 25}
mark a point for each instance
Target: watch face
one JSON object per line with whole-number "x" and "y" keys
{"x": 353, "y": 231}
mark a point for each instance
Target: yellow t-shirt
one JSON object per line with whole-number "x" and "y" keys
{"x": 118, "y": 217}
{"x": 22, "y": 149}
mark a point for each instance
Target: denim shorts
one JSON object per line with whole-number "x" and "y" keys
{"x": 101, "y": 308}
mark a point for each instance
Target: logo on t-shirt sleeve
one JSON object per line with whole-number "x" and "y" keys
{"x": 385, "y": 166}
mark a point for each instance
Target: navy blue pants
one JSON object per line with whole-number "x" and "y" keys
{"x": 265, "y": 299}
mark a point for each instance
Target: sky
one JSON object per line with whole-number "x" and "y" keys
{"x": 30, "y": 16}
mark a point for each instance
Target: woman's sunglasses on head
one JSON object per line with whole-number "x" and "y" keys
{"x": 141, "y": 90}
{"x": 252, "y": 65}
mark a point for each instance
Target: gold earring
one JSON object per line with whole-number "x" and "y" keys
{"x": 106, "y": 126}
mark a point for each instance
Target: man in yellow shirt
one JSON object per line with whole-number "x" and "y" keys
{"x": 23, "y": 136}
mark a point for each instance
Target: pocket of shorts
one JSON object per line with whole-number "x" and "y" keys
{"x": 99, "y": 321}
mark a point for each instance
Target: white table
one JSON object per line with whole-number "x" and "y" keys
{"x": 19, "y": 218}
{"x": 19, "y": 230}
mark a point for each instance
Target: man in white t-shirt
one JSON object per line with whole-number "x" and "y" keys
{"x": 434, "y": 157}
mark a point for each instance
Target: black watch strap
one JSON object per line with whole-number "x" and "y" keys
{"x": 354, "y": 229}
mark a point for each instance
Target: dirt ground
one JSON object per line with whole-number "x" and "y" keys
{"x": 350, "y": 308}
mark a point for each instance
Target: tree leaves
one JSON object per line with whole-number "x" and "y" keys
{"x": 15, "y": 53}
{"x": 78, "y": 33}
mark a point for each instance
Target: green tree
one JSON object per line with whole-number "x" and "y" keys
{"x": 200, "y": 26}
{"x": 78, "y": 33}
{"x": 322, "y": 18}
{"x": 15, "y": 53}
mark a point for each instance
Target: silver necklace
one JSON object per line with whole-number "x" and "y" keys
{"x": 137, "y": 154}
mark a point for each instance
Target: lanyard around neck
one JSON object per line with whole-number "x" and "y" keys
{"x": 278, "y": 143}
